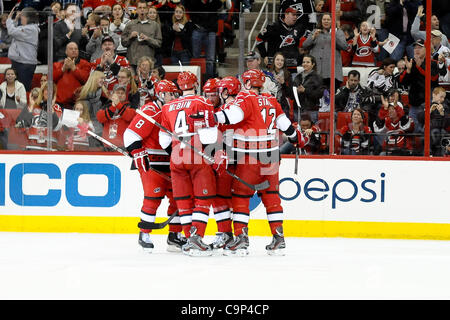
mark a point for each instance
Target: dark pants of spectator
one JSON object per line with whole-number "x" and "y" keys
{"x": 413, "y": 113}
{"x": 25, "y": 73}
{"x": 181, "y": 56}
{"x": 200, "y": 38}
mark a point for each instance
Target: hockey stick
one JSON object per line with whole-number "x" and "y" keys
{"x": 256, "y": 187}
{"x": 116, "y": 148}
{"x": 297, "y": 149}
{"x": 154, "y": 225}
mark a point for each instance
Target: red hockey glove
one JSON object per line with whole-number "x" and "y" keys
{"x": 220, "y": 162}
{"x": 140, "y": 158}
{"x": 202, "y": 119}
{"x": 299, "y": 140}
{"x": 84, "y": 128}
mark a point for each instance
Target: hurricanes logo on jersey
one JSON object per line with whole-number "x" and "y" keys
{"x": 287, "y": 41}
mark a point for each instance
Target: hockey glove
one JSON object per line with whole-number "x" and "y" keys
{"x": 298, "y": 140}
{"x": 84, "y": 128}
{"x": 202, "y": 119}
{"x": 220, "y": 162}
{"x": 140, "y": 158}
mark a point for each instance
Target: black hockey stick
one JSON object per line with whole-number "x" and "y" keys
{"x": 154, "y": 225}
{"x": 256, "y": 187}
{"x": 120, "y": 150}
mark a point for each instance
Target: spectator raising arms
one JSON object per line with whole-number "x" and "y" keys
{"x": 394, "y": 123}
{"x": 421, "y": 34}
{"x": 116, "y": 117}
{"x": 70, "y": 73}
{"x": 24, "y": 44}
{"x": 319, "y": 44}
{"x": 13, "y": 93}
{"x": 141, "y": 36}
{"x": 365, "y": 45}
{"x": 414, "y": 76}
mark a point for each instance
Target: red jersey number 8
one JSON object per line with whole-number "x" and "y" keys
{"x": 139, "y": 124}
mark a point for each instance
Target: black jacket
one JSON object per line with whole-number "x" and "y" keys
{"x": 394, "y": 14}
{"x": 310, "y": 99}
{"x": 185, "y": 36}
{"x": 60, "y": 40}
{"x": 280, "y": 37}
{"x": 204, "y": 15}
{"x": 416, "y": 81}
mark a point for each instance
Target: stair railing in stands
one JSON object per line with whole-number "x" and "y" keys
{"x": 264, "y": 8}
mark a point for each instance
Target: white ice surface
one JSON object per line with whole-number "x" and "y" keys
{"x": 113, "y": 266}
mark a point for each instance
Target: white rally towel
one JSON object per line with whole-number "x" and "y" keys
{"x": 391, "y": 44}
{"x": 70, "y": 118}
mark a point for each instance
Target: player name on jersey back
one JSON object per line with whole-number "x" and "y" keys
{"x": 180, "y": 105}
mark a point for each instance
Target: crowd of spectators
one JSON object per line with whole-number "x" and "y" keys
{"x": 385, "y": 42}
{"x": 108, "y": 54}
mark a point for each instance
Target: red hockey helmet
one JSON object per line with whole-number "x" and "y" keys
{"x": 210, "y": 86}
{"x": 165, "y": 86}
{"x": 186, "y": 80}
{"x": 232, "y": 84}
{"x": 256, "y": 77}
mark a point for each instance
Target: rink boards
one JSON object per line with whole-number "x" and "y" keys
{"x": 330, "y": 197}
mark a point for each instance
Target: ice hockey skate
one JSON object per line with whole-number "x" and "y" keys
{"x": 195, "y": 246}
{"x": 220, "y": 241}
{"x": 278, "y": 245}
{"x": 239, "y": 246}
{"x": 145, "y": 242}
{"x": 175, "y": 241}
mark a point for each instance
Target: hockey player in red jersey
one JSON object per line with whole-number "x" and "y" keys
{"x": 210, "y": 91}
{"x": 193, "y": 180}
{"x": 228, "y": 88}
{"x": 276, "y": 119}
{"x": 255, "y": 120}
{"x": 141, "y": 140}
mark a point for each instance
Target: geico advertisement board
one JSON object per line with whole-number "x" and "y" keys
{"x": 72, "y": 185}
{"x": 325, "y": 189}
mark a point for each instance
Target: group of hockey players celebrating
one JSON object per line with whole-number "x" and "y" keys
{"x": 210, "y": 151}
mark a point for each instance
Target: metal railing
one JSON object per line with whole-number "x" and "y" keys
{"x": 264, "y": 7}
